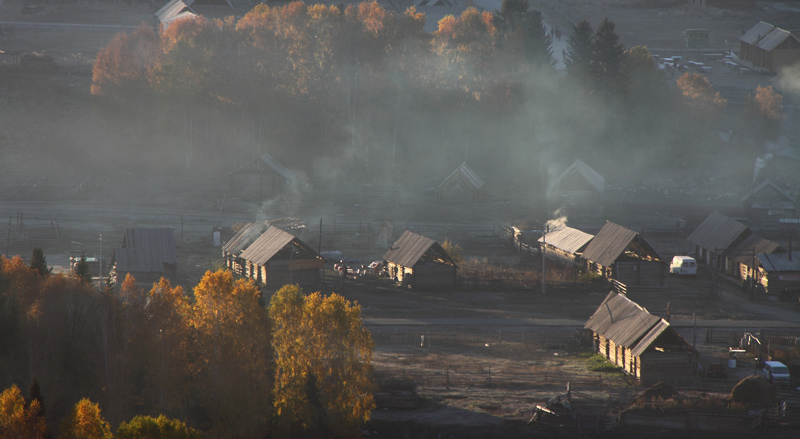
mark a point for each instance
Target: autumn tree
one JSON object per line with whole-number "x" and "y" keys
{"x": 147, "y": 427}
{"x": 85, "y": 422}
{"x": 323, "y": 375}
{"x": 764, "y": 112}
{"x": 20, "y": 419}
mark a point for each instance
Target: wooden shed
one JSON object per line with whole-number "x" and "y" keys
{"x": 579, "y": 189}
{"x": 420, "y": 262}
{"x": 716, "y": 234}
{"x": 622, "y": 254}
{"x": 277, "y": 258}
{"x": 769, "y": 48}
{"x": 147, "y": 254}
{"x": 643, "y": 345}
{"x": 232, "y": 250}
{"x": 766, "y": 204}
{"x": 463, "y": 185}
{"x": 779, "y": 271}
{"x": 261, "y": 179}
{"x": 565, "y": 243}
{"x": 743, "y": 260}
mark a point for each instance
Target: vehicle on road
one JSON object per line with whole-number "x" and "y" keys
{"x": 683, "y": 266}
{"x": 776, "y": 372}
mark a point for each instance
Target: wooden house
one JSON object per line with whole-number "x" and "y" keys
{"x": 232, "y": 250}
{"x": 278, "y": 258}
{"x": 579, "y": 189}
{"x": 769, "y": 48}
{"x": 148, "y": 254}
{"x": 743, "y": 259}
{"x": 420, "y": 262}
{"x": 766, "y": 204}
{"x": 643, "y": 345}
{"x": 565, "y": 243}
{"x": 622, "y": 254}
{"x": 463, "y": 185}
{"x": 779, "y": 271}
{"x": 261, "y": 179}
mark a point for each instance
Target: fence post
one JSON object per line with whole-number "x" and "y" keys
{"x": 447, "y": 378}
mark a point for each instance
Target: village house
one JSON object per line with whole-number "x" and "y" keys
{"x": 462, "y": 185}
{"x": 261, "y": 179}
{"x": 623, "y": 255}
{"x": 147, "y": 254}
{"x": 420, "y": 262}
{"x": 579, "y": 189}
{"x": 278, "y": 258}
{"x": 769, "y": 48}
{"x": 643, "y": 345}
{"x": 766, "y": 205}
{"x": 232, "y": 250}
{"x": 565, "y": 244}
{"x": 779, "y": 273}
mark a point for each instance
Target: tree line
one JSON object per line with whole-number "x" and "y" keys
{"x": 213, "y": 362}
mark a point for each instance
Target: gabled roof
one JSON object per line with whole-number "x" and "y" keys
{"x": 246, "y": 236}
{"x": 773, "y": 262}
{"x": 411, "y": 248}
{"x": 764, "y": 186}
{"x": 621, "y": 320}
{"x": 766, "y": 36}
{"x": 464, "y": 177}
{"x": 270, "y": 243}
{"x": 757, "y": 32}
{"x": 612, "y": 241}
{"x": 590, "y": 175}
{"x": 264, "y": 163}
{"x": 138, "y": 260}
{"x": 717, "y": 231}
{"x": 650, "y": 337}
{"x": 567, "y": 239}
{"x": 750, "y": 246}
{"x": 154, "y": 241}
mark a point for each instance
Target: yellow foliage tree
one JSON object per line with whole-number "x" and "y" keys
{"x": 323, "y": 372}
{"x": 85, "y": 422}
{"x": 18, "y": 420}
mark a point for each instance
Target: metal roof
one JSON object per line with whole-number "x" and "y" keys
{"x": 567, "y": 239}
{"x": 609, "y": 243}
{"x": 717, "y": 231}
{"x": 589, "y": 174}
{"x": 752, "y": 245}
{"x": 463, "y": 176}
{"x": 621, "y": 320}
{"x": 158, "y": 240}
{"x": 410, "y": 248}
{"x": 765, "y": 36}
{"x": 773, "y": 262}
{"x": 246, "y": 236}
{"x": 270, "y": 243}
{"x": 138, "y": 260}
{"x": 757, "y": 32}
{"x": 265, "y": 162}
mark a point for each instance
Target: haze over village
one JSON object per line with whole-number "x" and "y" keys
{"x": 399, "y": 219}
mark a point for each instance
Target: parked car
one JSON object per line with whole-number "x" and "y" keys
{"x": 683, "y": 266}
{"x": 776, "y": 372}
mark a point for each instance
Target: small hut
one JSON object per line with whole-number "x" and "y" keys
{"x": 277, "y": 258}
{"x": 232, "y": 250}
{"x": 261, "y": 179}
{"x": 779, "y": 272}
{"x": 769, "y": 48}
{"x": 147, "y": 254}
{"x": 622, "y": 254}
{"x": 420, "y": 262}
{"x": 565, "y": 243}
{"x": 463, "y": 185}
{"x": 767, "y": 204}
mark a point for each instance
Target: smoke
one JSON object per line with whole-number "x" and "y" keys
{"x": 789, "y": 79}
{"x": 761, "y": 163}
{"x": 558, "y": 222}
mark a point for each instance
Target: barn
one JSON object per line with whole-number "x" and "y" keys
{"x": 643, "y": 345}
{"x": 565, "y": 243}
{"x": 261, "y": 179}
{"x": 769, "y": 48}
{"x": 232, "y": 250}
{"x": 579, "y": 189}
{"x": 278, "y": 258}
{"x": 766, "y": 204}
{"x": 420, "y": 262}
{"x": 622, "y": 254}
{"x": 779, "y": 272}
{"x": 147, "y": 254}
{"x": 463, "y": 185}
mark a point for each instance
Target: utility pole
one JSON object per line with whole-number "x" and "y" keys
{"x": 101, "y": 261}
{"x": 541, "y": 251}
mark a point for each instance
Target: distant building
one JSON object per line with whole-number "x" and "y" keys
{"x": 463, "y": 185}
{"x": 175, "y": 10}
{"x": 769, "y": 48}
{"x": 420, "y": 262}
{"x": 579, "y": 189}
{"x": 565, "y": 243}
{"x": 260, "y": 179}
{"x": 621, "y": 254}
{"x": 741, "y": 5}
{"x": 147, "y": 254}
{"x": 767, "y": 204}
{"x": 278, "y": 258}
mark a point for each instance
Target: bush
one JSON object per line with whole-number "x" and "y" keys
{"x": 599, "y": 363}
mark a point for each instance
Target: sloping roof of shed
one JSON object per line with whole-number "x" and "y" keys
{"x": 757, "y": 32}
{"x": 621, "y": 320}
{"x": 766, "y": 36}
{"x": 743, "y": 253}
{"x": 650, "y": 337}
{"x": 463, "y": 176}
{"x": 246, "y": 236}
{"x": 155, "y": 241}
{"x": 410, "y": 248}
{"x": 776, "y": 262}
{"x": 270, "y": 163}
{"x": 172, "y": 9}
{"x": 764, "y": 185}
{"x": 567, "y": 239}
{"x": 717, "y": 231}
{"x": 609, "y": 243}
{"x": 138, "y": 260}
{"x": 269, "y": 244}
{"x": 591, "y": 176}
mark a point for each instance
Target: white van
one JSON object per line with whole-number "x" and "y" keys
{"x": 683, "y": 266}
{"x": 776, "y": 372}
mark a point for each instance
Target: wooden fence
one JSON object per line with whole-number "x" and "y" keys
{"x": 732, "y": 336}
{"x": 428, "y": 337}
{"x": 513, "y": 380}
